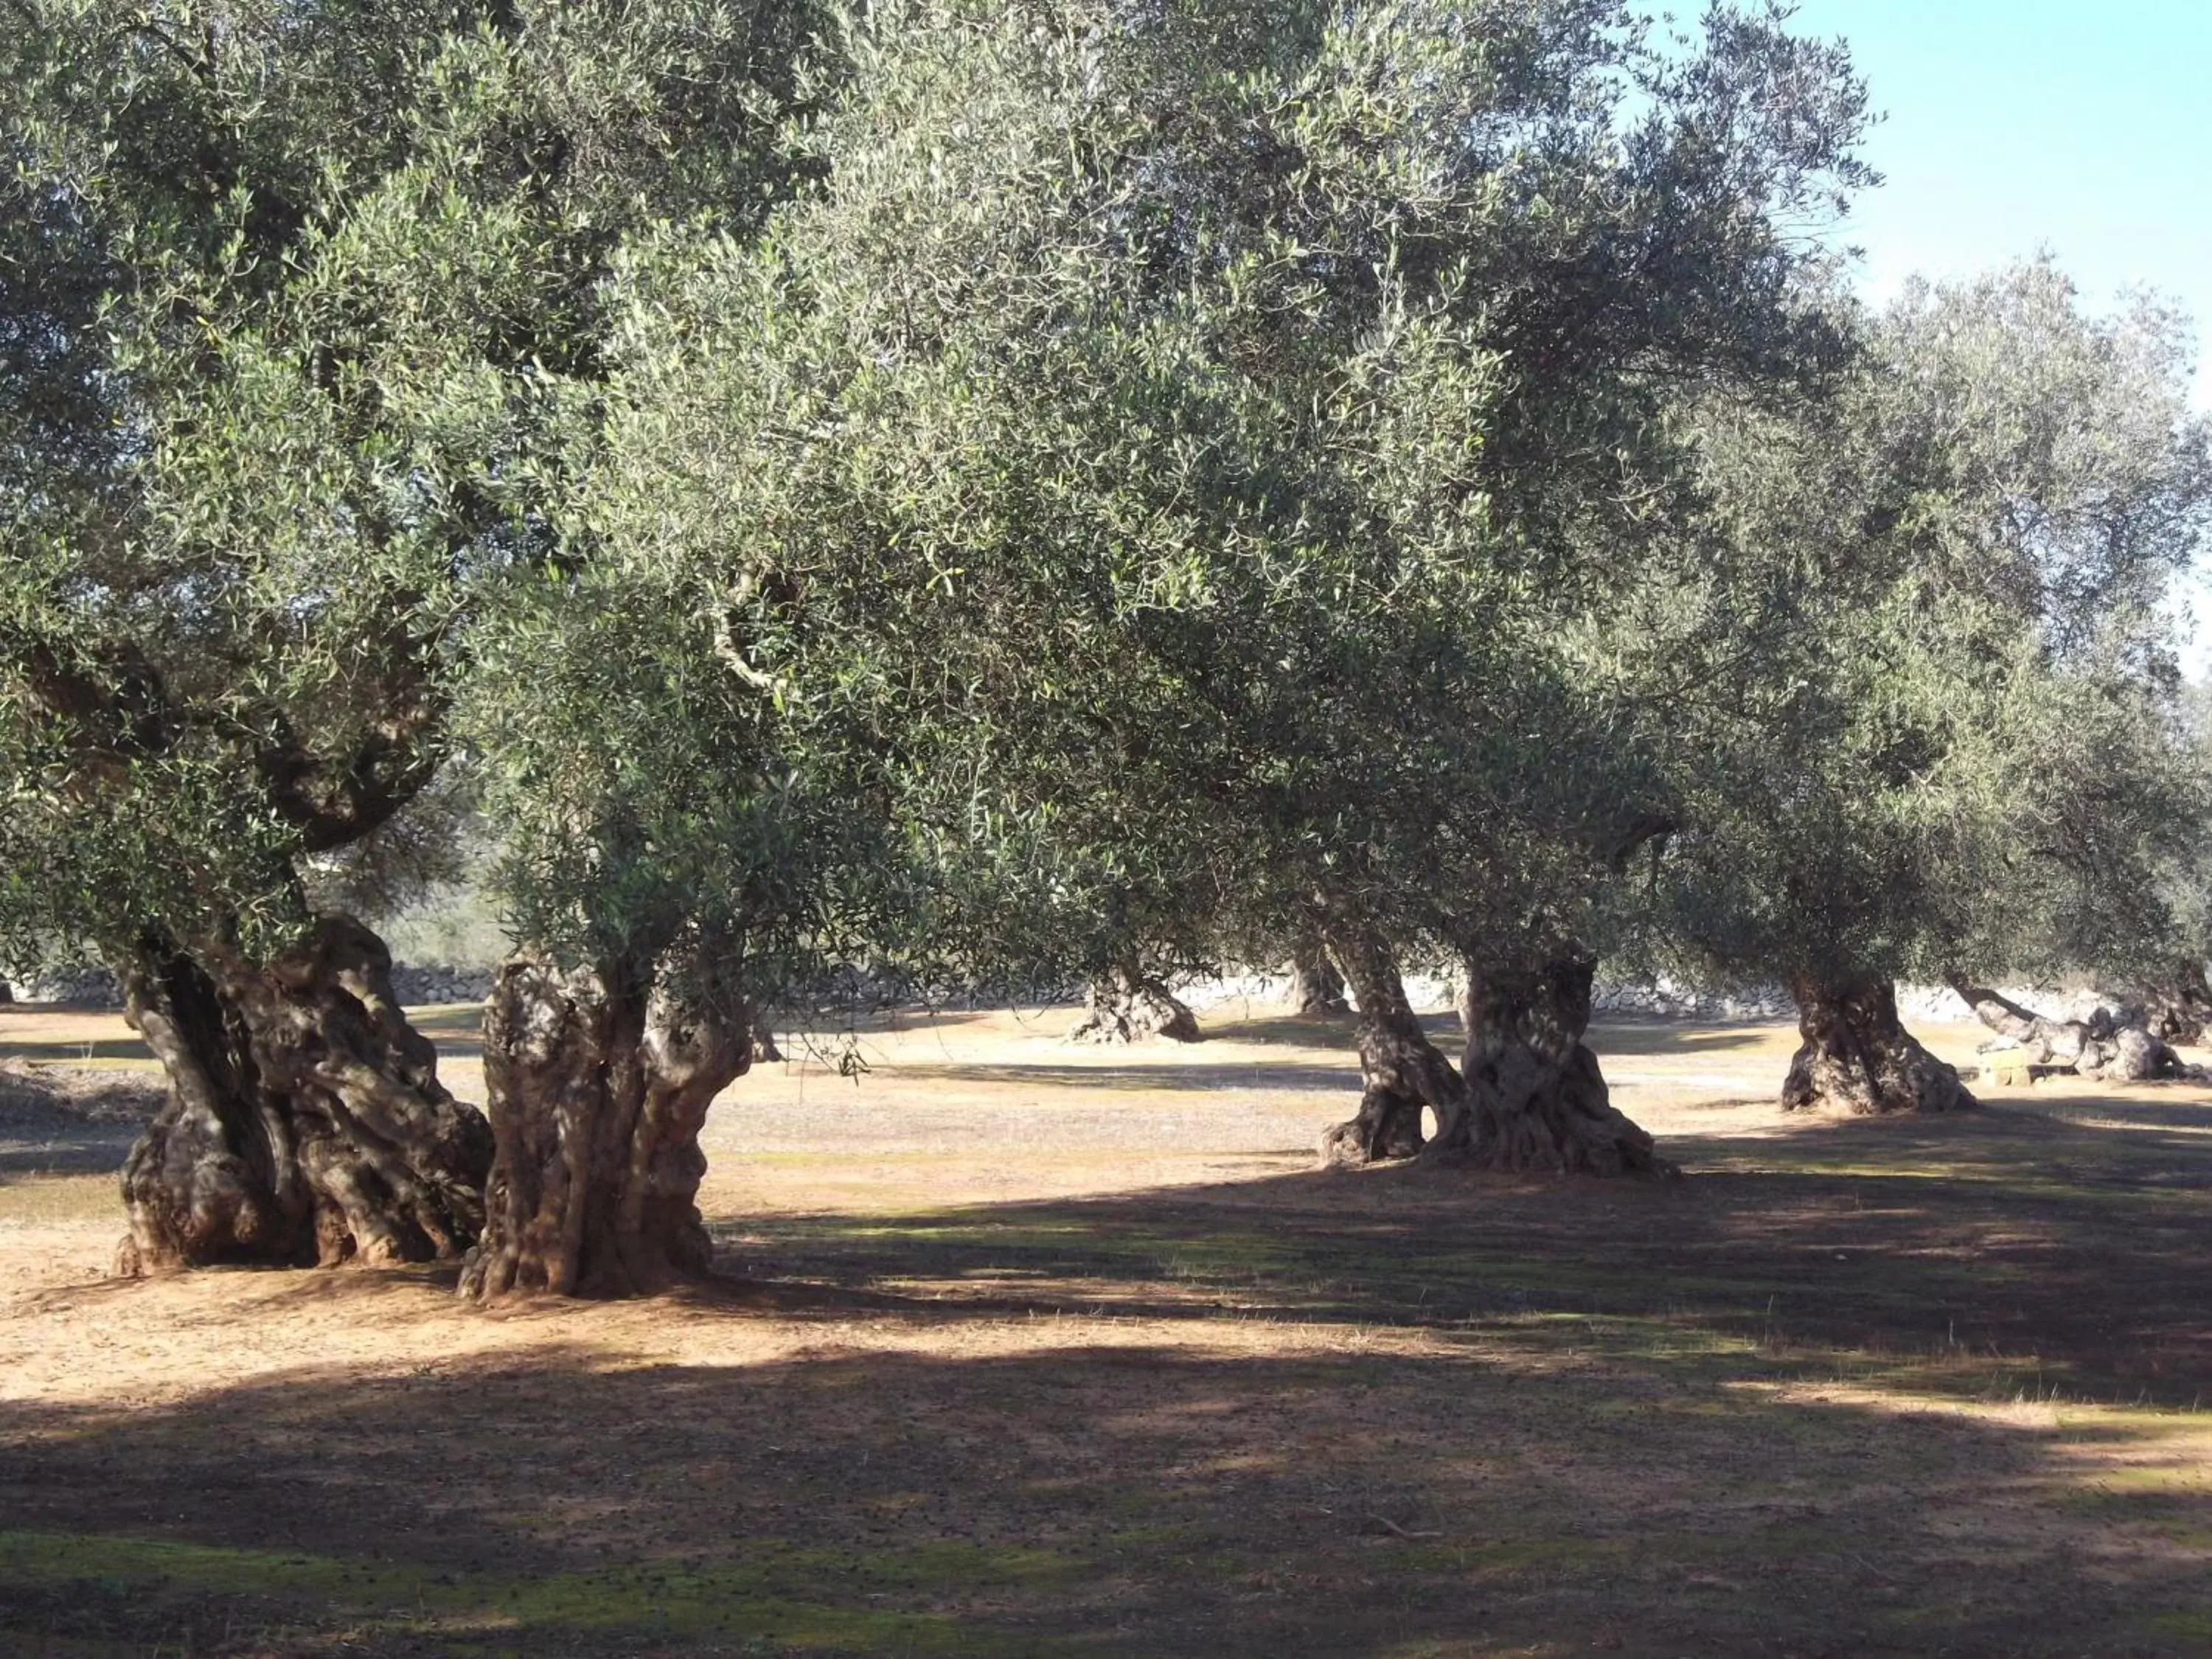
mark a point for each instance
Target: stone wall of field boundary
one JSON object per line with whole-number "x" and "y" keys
{"x": 419, "y": 984}
{"x": 416, "y": 985}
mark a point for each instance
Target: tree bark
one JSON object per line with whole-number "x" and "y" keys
{"x": 1531, "y": 1096}
{"x": 306, "y": 1125}
{"x": 1401, "y": 1071}
{"x": 1128, "y": 1006}
{"x": 1316, "y": 987}
{"x": 2178, "y": 1008}
{"x": 1855, "y": 1053}
{"x": 2117, "y": 1047}
{"x": 1541, "y": 1101}
{"x": 600, "y": 1081}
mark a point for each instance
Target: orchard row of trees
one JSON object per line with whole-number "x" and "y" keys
{"x": 1004, "y": 489}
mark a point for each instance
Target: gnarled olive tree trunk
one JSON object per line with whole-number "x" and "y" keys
{"x": 306, "y": 1124}
{"x": 2178, "y": 1007}
{"x": 1401, "y": 1071}
{"x": 1316, "y": 987}
{"x": 1856, "y": 1055}
{"x": 1541, "y": 1101}
{"x": 1531, "y": 1096}
{"x": 2117, "y": 1046}
{"x": 1129, "y": 1005}
{"x": 600, "y": 1081}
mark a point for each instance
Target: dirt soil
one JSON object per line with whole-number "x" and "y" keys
{"x": 1026, "y": 1348}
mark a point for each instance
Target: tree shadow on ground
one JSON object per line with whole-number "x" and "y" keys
{"x": 72, "y": 1119}
{"x": 1812, "y": 1400}
{"x": 2005, "y": 1251}
{"x": 66, "y": 1147}
{"x": 1290, "y": 1030}
{"x": 457, "y": 1027}
{"x": 1622, "y": 1034}
{"x": 125, "y": 1050}
{"x": 1089, "y": 1494}
{"x": 1609, "y": 1034}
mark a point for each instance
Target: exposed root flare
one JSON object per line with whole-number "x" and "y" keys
{"x": 1129, "y": 1006}
{"x": 2114, "y": 1045}
{"x": 1530, "y": 1097}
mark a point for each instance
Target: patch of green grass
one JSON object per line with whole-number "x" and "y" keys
{"x": 2150, "y": 1478}
{"x": 2193, "y": 1624}
{"x": 1152, "y": 1536}
{"x": 2140, "y": 1421}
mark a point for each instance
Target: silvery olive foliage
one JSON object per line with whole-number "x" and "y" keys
{"x": 1960, "y": 745}
{"x": 300, "y": 313}
{"x": 1189, "y": 467}
{"x": 989, "y": 488}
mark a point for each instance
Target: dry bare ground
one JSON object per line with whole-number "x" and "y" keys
{"x": 1030, "y": 1349}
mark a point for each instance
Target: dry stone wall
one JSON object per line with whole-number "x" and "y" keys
{"x": 416, "y": 984}
{"x": 428, "y": 983}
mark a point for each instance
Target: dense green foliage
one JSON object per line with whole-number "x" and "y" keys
{"x": 1957, "y": 747}
{"x": 300, "y": 305}
{"x": 1217, "y": 455}
{"x": 1006, "y": 488}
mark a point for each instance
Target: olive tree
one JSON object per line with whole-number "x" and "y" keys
{"x": 1956, "y": 754}
{"x": 301, "y": 320}
{"x": 217, "y": 634}
{"x": 2173, "y": 988}
{"x": 1246, "y": 440}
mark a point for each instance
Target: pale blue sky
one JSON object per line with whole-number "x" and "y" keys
{"x": 2013, "y": 125}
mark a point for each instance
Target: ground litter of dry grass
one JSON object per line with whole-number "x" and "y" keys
{"x": 1027, "y": 1348}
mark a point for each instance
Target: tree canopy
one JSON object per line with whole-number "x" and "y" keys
{"x": 303, "y": 303}
{"x": 1004, "y": 491}
{"x": 1266, "y": 422}
{"x": 1958, "y": 749}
